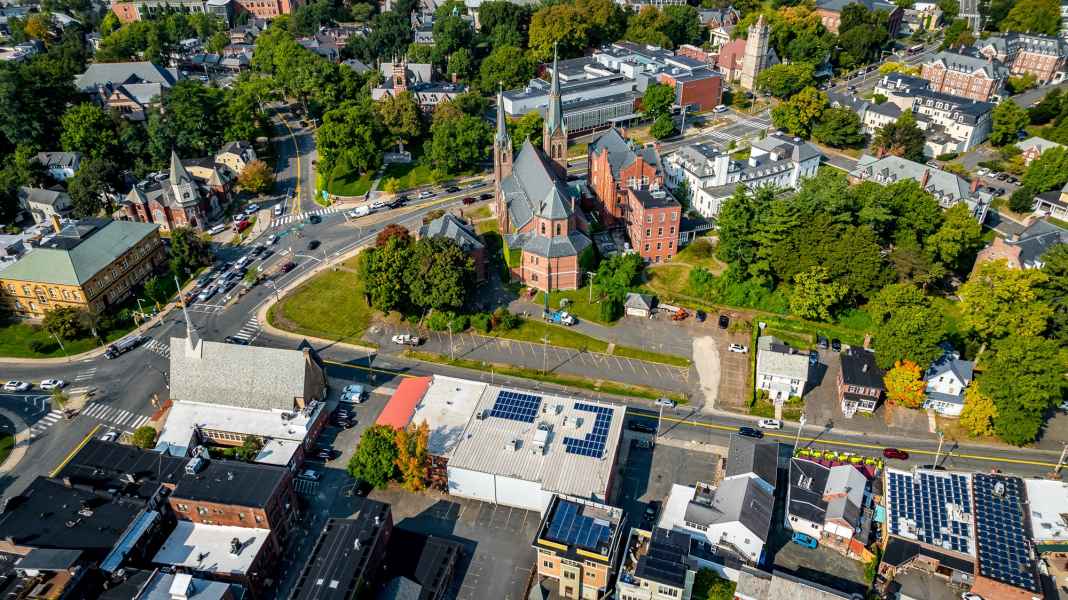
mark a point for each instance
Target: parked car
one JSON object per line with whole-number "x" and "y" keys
{"x": 485, "y": 196}
{"x": 354, "y": 393}
{"x": 813, "y": 357}
{"x": 700, "y": 315}
{"x": 406, "y": 339}
{"x": 273, "y": 239}
{"x": 53, "y": 384}
{"x": 720, "y": 108}
{"x": 17, "y": 386}
{"x": 423, "y": 195}
{"x": 769, "y": 424}
{"x": 315, "y": 219}
{"x": 206, "y": 293}
{"x": 279, "y": 209}
{"x": 740, "y": 349}
{"x": 452, "y": 189}
{"x": 750, "y": 432}
{"x": 313, "y": 244}
{"x": 326, "y": 454}
{"x": 310, "y": 474}
{"x": 836, "y": 345}
{"x": 469, "y": 200}
{"x": 110, "y": 436}
{"x": 643, "y": 444}
{"x": 970, "y": 596}
{"x": 252, "y": 208}
{"x": 804, "y": 540}
{"x": 289, "y": 266}
{"x": 680, "y": 315}
{"x": 231, "y": 339}
{"x": 667, "y": 402}
{"x": 724, "y": 321}
{"x": 895, "y": 454}
{"x": 241, "y": 225}
{"x": 822, "y": 342}
{"x": 652, "y": 511}
{"x": 217, "y": 229}
{"x": 641, "y": 426}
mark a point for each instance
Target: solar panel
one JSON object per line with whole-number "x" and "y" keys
{"x": 516, "y": 406}
{"x": 593, "y": 443}
{"x": 925, "y": 499}
{"x": 571, "y": 528}
{"x": 1004, "y": 553}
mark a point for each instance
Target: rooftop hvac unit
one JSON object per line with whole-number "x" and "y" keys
{"x": 194, "y": 466}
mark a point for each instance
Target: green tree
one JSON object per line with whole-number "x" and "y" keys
{"x": 188, "y": 252}
{"x": 959, "y": 237}
{"x": 401, "y": 116}
{"x": 527, "y": 127}
{"x": 1025, "y": 378}
{"x": 1048, "y": 108}
{"x": 907, "y": 326}
{"x": 190, "y": 123}
{"x": 607, "y": 19}
{"x": 391, "y": 32}
{"x": 249, "y": 449}
{"x": 681, "y": 24}
{"x": 838, "y": 127}
{"x": 657, "y": 100}
{"x": 383, "y": 271}
{"x": 663, "y": 127}
{"x": 457, "y": 145}
{"x": 512, "y": 21}
{"x": 646, "y": 27}
{"x": 89, "y": 130}
{"x": 1035, "y": 16}
{"x": 159, "y": 289}
{"x": 979, "y": 413}
{"x": 375, "y": 458}
{"x": 439, "y": 274}
{"x": 558, "y": 24}
{"x": 144, "y": 437}
{"x": 957, "y": 35}
{"x": 783, "y": 81}
{"x": 1017, "y": 85}
{"x": 998, "y": 301}
{"x": 256, "y": 177}
{"x": 461, "y": 64}
{"x": 352, "y": 133}
{"x": 451, "y": 33}
{"x": 91, "y": 184}
{"x": 1055, "y": 290}
{"x": 902, "y": 138}
{"x": 1047, "y": 172}
{"x": 1007, "y": 118}
{"x": 412, "y": 459}
{"x": 506, "y": 66}
{"x": 707, "y": 585}
{"x": 64, "y": 321}
{"x": 814, "y": 294}
{"x": 1022, "y": 199}
{"x": 217, "y": 42}
{"x": 800, "y": 113}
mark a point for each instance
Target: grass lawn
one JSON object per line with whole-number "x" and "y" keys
{"x": 576, "y": 150}
{"x": 532, "y": 330}
{"x": 413, "y": 174}
{"x": 16, "y": 339}
{"x": 700, "y": 253}
{"x": 482, "y": 212}
{"x": 486, "y": 226}
{"x": 668, "y": 279}
{"x": 7, "y": 442}
{"x": 1058, "y": 222}
{"x": 347, "y": 183}
{"x": 330, "y": 305}
{"x": 605, "y": 387}
{"x": 580, "y": 305}
{"x": 646, "y": 355}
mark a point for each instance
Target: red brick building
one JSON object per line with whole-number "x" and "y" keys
{"x": 966, "y": 76}
{"x": 617, "y": 164}
{"x": 830, "y": 13}
{"x": 177, "y": 199}
{"x": 128, "y": 12}
{"x": 653, "y": 223}
{"x": 700, "y": 89}
{"x": 1028, "y": 54}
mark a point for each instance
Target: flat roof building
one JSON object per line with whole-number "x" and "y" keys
{"x": 347, "y": 556}
{"x": 225, "y": 553}
{"x": 579, "y": 545}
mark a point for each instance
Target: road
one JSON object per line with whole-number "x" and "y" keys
{"x": 295, "y": 168}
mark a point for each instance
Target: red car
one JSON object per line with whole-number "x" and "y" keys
{"x": 241, "y": 226}
{"x": 895, "y": 453}
{"x": 469, "y": 200}
{"x": 289, "y": 266}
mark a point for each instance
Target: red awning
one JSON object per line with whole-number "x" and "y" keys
{"x": 401, "y": 406}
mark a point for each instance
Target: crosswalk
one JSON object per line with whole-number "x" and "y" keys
{"x": 250, "y": 331}
{"x": 722, "y": 136}
{"x": 85, "y": 374}
{"x": 205, "y": 308}
{"x": 756, "y": 123}
{"x": 293, "y": 218}
{"x": 110, "y": 414}
{"x": 45, "y": 422}
{"x": 161, "y": 348}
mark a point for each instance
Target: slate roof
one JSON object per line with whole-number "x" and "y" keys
{"x": 1037, "y": 142}
{"x": 964, "y": 63}
{"x": 948, "y": 188}
{"x": 1037, "y": 239}
{"x": 452, "y": 228}
{"x": 246, "y": 376}
{"x": 124, "y": 73}
{"x": 640, "y": 301}
{"x": 1010, "y": 43}
{"x": 737, "y": 499}
{"x": 550, "y": 247}
{"x": 74, "y": 261}
{"x": 621, "y": 152}
{"x": 747, "y": 455}
{"x": 859, "y": 368}
{"x": 531, "y": 186}
{"x": 42, "y": 196}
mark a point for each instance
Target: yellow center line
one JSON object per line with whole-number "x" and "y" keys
{"x": 296, "y": 154}
{"x": 82, "y": 444}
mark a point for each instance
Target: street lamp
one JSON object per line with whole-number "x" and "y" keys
{"x": 941, "y": 437}
{"x": 801, "y": 425}
{"x": 60, "y": 342}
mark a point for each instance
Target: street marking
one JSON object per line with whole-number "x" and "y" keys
{"x": 115, "y": 415}
{"x": 159, "y": 347}
{"x": 293, "y": 218}
{"x": 250, "y": 330}
{"x": 76, "y": 449}
{"x": 45, "y": 422}
{"x": 85, "y": 374}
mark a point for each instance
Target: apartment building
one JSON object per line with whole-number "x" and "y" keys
{"x": 136, "y": 10}
{"x": 129, "y": 88}
{"x": 951, "y": 123}
{"x": 579, "y": 545}
{"x": 976, "y": 78}
{"x": 1028, "y": 54}
{"x": 91, "y": 264}
{"x": 947, "y": 188}
{"x": 655, "y": 566}
{"x": 653, "y": 221}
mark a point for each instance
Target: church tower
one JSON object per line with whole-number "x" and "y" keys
{"x": 182, "y": 185}
{"x": 554, "y": 134}
{"x": 400, "y": 76}
{"x": 502, "y": 163}
{"x": 755, "y": 58}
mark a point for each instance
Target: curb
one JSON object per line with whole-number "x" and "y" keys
{"x": 22, "y": 440}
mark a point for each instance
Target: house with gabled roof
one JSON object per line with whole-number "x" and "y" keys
{"x": 972, "y": 77}
{"x": 947, "y": 378}
{"x": 128, "y": 87}
{"x": 461, "y": 232}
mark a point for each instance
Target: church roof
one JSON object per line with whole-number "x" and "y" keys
{"x": 534, "y": 188}
{"x": 179, "y": 174}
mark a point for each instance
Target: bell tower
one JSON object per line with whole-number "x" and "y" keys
{"x": 554, "y": 134}
{"x": 502, "y": 163}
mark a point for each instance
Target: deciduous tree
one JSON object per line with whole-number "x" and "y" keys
{"x": 412, "y": 459}
{"x": 907, "y": 326}
{"x": 439, "y": 274}
{"x": 506, "y": 66}
{"x": 89, "y": 130}
{"x": 458, "y": 144}
{"x": 188, "y": 252}
{"x": 401, "y": 116}
{"x": 1034, "y": 16}
{"x": 256, "y": 177}
{"x": 783, "y": 81}
{"x": 800, "y": 113}
{"x": 663, "y": 127}
{"x": 64, "y": 321}
{"x": 144, "y": 437}
{"x": 905, "y": 385}
{"x": 1025, "y": 378}
{"x": 979, "y": 413}
{"x": 838, "y": 127}
{"x": 1047, "y": 172}
{"x": 959, "y": 237}
{"x": 1055, "y": 291}
{"x": 560, "y": 25}
{"x": 391, "y": 231}
{"x": 815, "y": 294}
{"x": 997, "y": 301}
{"x": 1007, "y": 119}
{"x": 375, "y": 458}
{"x": 902, "y": 138}
{"x": 657, "y": 100}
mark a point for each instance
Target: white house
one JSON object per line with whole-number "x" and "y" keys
{"x": 44, "y": 204}
{"x": 60, "y": 165}
{"x": 947, "y": 378}
{"x": 735, "y": 516}
{"x": 828, "y": 504}
{"x": 781, "y": 370}
{"x": 712, "y": 175}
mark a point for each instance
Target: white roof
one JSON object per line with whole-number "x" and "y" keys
{"x": 673, "y": 514}
{"x": 277, "y": 452}
{"x": 487, "y": 444}
{"x": 1048, "y": 501}
{"x": 184, "y": 417}
{"x": 447, "y": 407}
{"x": 206, "y": 548}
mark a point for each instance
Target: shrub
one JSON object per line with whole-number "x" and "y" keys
{"x": 1022, "y": 200}
{"x": 947, "y": 156}
{"x": 483, "y": 322}
{"x": 611, "y": 309}
{"x": 438, "y": 321}
{"x": 504, "y": 320}
{"x": 459, "y": 323}
{"x": 41, "y": 346}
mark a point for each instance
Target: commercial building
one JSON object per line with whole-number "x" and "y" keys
{"x": 947, "y": 188}
{"x": 1047, "y": 503}
{"x": 655, "y": 566}
{"x": 428, "y": 570}
{"x": 1042, "y": 56}
{"x": 347, "y": 556}
{"x": 160, "y": 585}
{"x": 697, "y": 86}
{"x": 782, "y": 371}
{"x": 947, "y": 378}
{"x": 860, "y": 381}
{"x": 951, "y": 123}
{"x": 130, "y": 88}
{"x": 830, "y": 13}
{"x": 189, "y": 194}
{"x": 463, "y": 234}
{"x": 832, "y": 505}
{"x": 507, "y": 446}
{"x": 544, "y": 231}
{"x": 579, "y": 545}
{"x": 137, "y": 10}
{"x": 1006, "y": 562}
{"x": 418, "y": 79}
{"x": 232, "y": 554}
{"x": 711, "y": 174}
{"x": 971, "y": 77}
{"x": 92, "y": 264}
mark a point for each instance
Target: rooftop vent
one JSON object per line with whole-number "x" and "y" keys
{"x": 235, "y": 547}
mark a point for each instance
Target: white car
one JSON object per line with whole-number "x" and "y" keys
{"x": 16, "y": 386}
{"x": 52, "y": 384}
{"x": 720, "y": 108}
{"x": 110, "y": 436}
{"x": 353, "y": 393}
{"x": 769, "y": 424}
{"x": 379, "y": 205}
{"x": 309, "y": 474}
{"x": 738, "y": 348}
{"x": 251, "y": 209}
{"x": 970, "y": 596}
{"x": 217, "y": 229}
{"x": 426, "y": 194}
{"x": 668, "y": 402}
{"x": 1064, "y": 405}
{"x": 406, "y": 339}
{"x": 278, "y": 209}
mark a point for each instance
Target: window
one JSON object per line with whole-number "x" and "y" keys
{"x": 671, "y": 230}
{"x": 658, "y": 246}
{"x": 646, "y": 247}
{"x": 543, "y": 228}
{"x": 659, "y": 232}
{"x": 557, "y": 229}
{"x": 548, "y": 564}
{"x": 648, "y": 233}
{"x": 201, "y": 510}
{"x": 569, "y": 575}
{"x": 648, "y": 218}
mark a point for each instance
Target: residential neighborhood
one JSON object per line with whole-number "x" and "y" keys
{"x": 500, "y": 300}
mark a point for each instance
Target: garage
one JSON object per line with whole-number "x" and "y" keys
{"x": 639, "y": 305}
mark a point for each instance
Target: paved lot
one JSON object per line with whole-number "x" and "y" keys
{"x": 497, "y": 539}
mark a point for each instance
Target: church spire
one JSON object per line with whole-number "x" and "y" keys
{"x": 193, "y": 344}
{"x": 554, "y": 134}
{"x": 502, "y": 127}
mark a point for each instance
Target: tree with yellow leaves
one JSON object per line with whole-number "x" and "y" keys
{"x": 979, "y": 412}
{"x": 412, "y": 456}
{"x": 905, "y": 385}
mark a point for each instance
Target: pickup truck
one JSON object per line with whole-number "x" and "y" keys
{"x": 559, "y": 317}
{"x": 406, "y": 339}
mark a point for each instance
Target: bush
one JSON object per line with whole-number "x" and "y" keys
{"x": 459, "y": 323}
{"x": 482, "y": 322}
{"x": 1022, "y": 200}
{"x": 42, "y": 346}
{"x": 611, "y": 310}
{"x": 947, "y": 156}
{"x": 504, "y": 320}
{"x": 438, "y": 321}
{"x": 144, "y": 437}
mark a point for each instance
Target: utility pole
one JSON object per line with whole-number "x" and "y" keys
{"x": 659, "y": 421}
{"x": 1060, "y": 461}
{"x": 797, "y": 438}
{"x": 60, "y": 342}
{"x": 941, "y": 437}
{"x": 452, "y": 352}
{"x": 545, "y": 354}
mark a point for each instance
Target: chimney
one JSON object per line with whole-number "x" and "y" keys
{"x": 926, "y": 176}
{"x": 867, "y": 341}
{"x": 55, "y": 223}
{"x": 975, "y": 185}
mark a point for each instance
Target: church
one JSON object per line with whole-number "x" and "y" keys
{"x": 544, "y": 231}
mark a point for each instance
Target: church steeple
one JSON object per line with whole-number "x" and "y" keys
{"x": 554, "y": 134}
{"x": 502, "y": 162}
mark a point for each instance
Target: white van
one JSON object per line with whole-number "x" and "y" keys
{"x": 278, "y": 208}
{"x": 359, "y": 211}
{"x": 217, "y": 229}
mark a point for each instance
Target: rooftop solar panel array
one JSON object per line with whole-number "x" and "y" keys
{"x": 938, "y": 504}
{"x": 516, "y": 406}
{"x": 1001, "y": 534}
{"x": 570, "y": 527}
{"x": 593, "y": 444}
